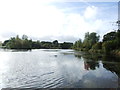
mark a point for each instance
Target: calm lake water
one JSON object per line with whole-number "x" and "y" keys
{"x": 57, "y": 68}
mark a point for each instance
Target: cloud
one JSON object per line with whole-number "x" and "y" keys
{"x": 42, "y": 20}
{"x": 90, "y": 12}
{"x": 59, "y": 38}
{"x": 87, "y": 0}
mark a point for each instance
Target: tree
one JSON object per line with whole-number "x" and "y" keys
{"x": 66, "y": 45}
{"x": 118, "y": 38}
{"x": 109, "y": 36}
{"x": 36, "y": 45}
{"x": 97, "y": 46}
{"x": 55, "y": 43}
{"x": 46, "y": 45}
{"x": 78, "y": 44}
{"x": 5, "y": 42}
{"x": 18, "y": 43}
{"x": 86, "y": 42}
{"x": 111, "y": 41}
{"x": 24, "y": 37}
{"x": 109, "y": 46}
{"x": 90, "y": 39}
{"x": 24, "y": 43}
{"x": 94, "y": 38}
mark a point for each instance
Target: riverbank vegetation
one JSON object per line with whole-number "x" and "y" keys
{"x": 25, "y": 43}
{"x": 109, "y": 45}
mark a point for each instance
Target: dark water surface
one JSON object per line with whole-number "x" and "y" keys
{"x": 57, "y": 68}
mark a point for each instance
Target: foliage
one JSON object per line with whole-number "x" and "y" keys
{"x": 90, "y": 39}
{"x": 66, "y": 45}
{"x": 97, "y": 46}
{"x": 17, "y": 43}
{"x": 0, "y": 43}
{"x": 78, "y": 44}
{"x": 5, "y": 42}
{"x": 24, "y": 43}
{"x": 118, "y": 39}
{"x": 55, "y": 44}
{"x": 109, "y": 36}
{"x": 36, "y": 45}
{"x": 110, "y": 42}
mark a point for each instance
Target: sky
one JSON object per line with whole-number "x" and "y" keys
{"x": 62, "y": 20}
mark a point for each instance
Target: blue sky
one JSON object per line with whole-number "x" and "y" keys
{"x": 50, "y": 20}
{"x": 106, "y": 9}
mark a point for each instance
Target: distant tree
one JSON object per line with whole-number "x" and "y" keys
{"x": 97, "y": 46}
{"x": 118, "y": 38}
{"x": 86, "y": 42}
{"x": 111, "y": 41}
{"x": 36, "y": 45}
{"x": 94, "y": 38}
{"x": 46, "y": 45}
{"x": 0, "y": 43}
{"x": 109, "y": 36}
{"x": 17, "y": 43}
{"x": 5, "y": 42}
{"x": 11, "y": 43}
{"x": 78, "y": 44}
{"x": 66, "y": 45}
{"x": 90, "y": 39}
{"x": 55, "y": 43}
{"x": 26, "y": 44}
{"x": 24, "y": 37}
{"x": 109, "y": 46}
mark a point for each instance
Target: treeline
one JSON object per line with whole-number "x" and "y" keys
{"x": 25, "y": 43}
{"x": 91, "y": 43}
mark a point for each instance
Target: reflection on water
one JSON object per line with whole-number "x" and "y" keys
{"x": 109, "y": 62}
{"x": 51, "y": 68}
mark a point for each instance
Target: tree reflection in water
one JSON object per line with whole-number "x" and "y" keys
{"x": 88, "y": 63}
{"x": 91, "y": 62}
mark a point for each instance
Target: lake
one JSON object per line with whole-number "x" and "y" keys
{"x": 57, "y": 68}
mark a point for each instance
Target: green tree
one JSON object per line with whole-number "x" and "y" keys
{"x": 90, "y": 39}
{"x": 36, "y": 45}
{"x": 109, "y": 46}
{"x": 46, "y": 45}
{"x": 78, "y": 44}
{"x": 66, "y": 45}
{"x": 97, "y": 46}
{"x": 118, "y": 38}
{"x": 55, "y": 44}
{"x": 109, "y": 36}
{"x": 24, "y": 37}
{"x": 5, "y": 42}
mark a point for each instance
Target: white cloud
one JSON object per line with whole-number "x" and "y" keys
{"x": 90, "y": 12}
{"x": 41, "y": 19}
{"x": 88, "y": 0}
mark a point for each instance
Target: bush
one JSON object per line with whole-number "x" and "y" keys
{"x": 97, "y": 46}
{"x": 109, "y": 46}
